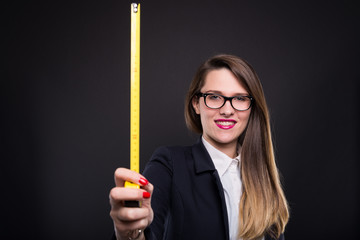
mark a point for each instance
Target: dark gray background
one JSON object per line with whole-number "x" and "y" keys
{"x": 65, "y": 121}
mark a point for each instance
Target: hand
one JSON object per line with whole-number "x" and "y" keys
{"x": 127, "y": 220}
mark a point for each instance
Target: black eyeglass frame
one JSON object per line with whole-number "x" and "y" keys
{"x": 204, "y": 95}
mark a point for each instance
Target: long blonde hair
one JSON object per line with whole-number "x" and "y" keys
{"x": 263, "y": 206}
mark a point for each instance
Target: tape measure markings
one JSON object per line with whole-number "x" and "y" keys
{"x": 134, "y": 92}
{"x": 135, "y": 88}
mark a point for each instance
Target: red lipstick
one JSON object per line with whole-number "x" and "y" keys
{"x": 225, "y": 123}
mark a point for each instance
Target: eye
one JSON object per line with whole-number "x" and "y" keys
{"x": 240, "y": 98}
{"x": 214, "y": 97}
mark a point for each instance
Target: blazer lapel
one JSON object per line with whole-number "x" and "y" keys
{"x": 203, "y": 163}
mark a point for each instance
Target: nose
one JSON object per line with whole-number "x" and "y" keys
{"x": 227, "y": 109}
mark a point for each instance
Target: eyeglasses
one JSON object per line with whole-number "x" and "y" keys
{"x": 215, "y": 101}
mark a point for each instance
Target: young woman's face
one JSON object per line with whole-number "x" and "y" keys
{"x": 222, "y": 127}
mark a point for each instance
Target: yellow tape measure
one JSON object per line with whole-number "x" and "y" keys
{"x": 134, "y": 92}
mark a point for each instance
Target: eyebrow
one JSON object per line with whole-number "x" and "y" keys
{"x": 220, "y": 93}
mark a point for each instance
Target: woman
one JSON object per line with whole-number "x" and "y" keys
{"x": 226, "y": 186}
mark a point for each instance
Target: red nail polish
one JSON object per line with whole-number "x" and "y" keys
{"x": 146, "y": 194}
{"x": 143, "y": 181}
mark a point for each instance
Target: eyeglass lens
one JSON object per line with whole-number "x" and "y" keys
{"x": 217, "y": 101}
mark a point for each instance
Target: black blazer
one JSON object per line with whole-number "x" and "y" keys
{"x": 188, "y": 198}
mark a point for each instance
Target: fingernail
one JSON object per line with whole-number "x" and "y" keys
{"x": 143, "y": 181}
{"x": 146, "y": 194}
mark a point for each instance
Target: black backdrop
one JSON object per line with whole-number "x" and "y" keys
{"x": 65, "y": 122}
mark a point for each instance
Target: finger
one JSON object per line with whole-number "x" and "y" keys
{"x": 126, "y": 226}
{"x": 149, "y": 188}
{"x": 122, "y": 174}
{"x": 131, "y": 214}
{"x": 125, "y": 194}
{"x": 126, "y": 219}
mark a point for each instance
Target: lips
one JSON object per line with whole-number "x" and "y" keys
{"x": 225, "y": 123}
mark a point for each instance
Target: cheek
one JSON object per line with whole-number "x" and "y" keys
{"x": 196, "y": 105}
{"x": 204, "y": 117}
{"x": 247, "y": 117}
{"x": 206, "y": 114}
{"x": 244, "y": 117}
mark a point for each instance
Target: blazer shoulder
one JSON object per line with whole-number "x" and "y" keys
{"x": 166, "y": 155}
{"x": 169, "y": 153}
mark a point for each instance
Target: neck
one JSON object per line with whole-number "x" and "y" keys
{"x": 230, "y": 149}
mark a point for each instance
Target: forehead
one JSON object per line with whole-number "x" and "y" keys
{"x": 222, "y": 81}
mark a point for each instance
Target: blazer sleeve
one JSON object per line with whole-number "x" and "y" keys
{"x": 159, "y": 173}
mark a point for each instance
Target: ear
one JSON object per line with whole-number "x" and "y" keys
{"x": 196, "y": 104}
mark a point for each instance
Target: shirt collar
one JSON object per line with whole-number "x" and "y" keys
{"x": 220, "y": 159}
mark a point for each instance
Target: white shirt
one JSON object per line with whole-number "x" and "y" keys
{"x": 229, "y": 173}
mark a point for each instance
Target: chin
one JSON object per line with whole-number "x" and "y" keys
{"x": 226, "y": 140}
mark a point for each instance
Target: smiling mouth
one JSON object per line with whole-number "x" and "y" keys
{"x": 225, "y": 124}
